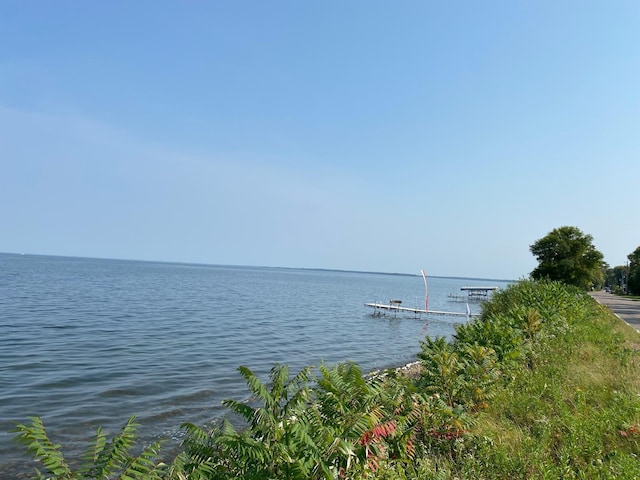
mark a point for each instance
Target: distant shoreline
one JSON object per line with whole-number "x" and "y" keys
{"x": 196, "y": 264}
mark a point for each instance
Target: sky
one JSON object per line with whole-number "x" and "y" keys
{"x": 353, "y": 135}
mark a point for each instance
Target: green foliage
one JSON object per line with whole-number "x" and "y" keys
{"x": 34, "y": 436}
{"x": 568, "y": 255}
{"x": 616, "y": 276}
{"x": 275, "y": 442}
{"x": 459, "y": 373}
{"x": 569, "y": 407}
{"x": 102, "y": 459}
{"x": 634, "y": 272}
{"x": 344, "y": 426}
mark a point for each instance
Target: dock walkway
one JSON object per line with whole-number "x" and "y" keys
{"x": 397, "y": 308}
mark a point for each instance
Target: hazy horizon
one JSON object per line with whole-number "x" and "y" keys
{"x": 340, "y": 135}
{"x": 176, "y": 262}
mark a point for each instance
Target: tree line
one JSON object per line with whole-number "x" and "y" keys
{"x": 568, "y": 255}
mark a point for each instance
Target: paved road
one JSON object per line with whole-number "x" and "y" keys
{"x": 628, "y": 310}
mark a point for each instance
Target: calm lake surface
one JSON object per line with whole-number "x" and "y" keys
{"x": 87, "y": 342}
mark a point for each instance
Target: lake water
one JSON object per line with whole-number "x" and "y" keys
{"x": 88, "y": 342}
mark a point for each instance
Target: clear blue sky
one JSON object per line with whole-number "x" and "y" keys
{"x": 364, "y": 135}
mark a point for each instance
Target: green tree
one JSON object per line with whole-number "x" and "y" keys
{"x": 616, "y": 276}
{"x": 567, "y": 255}
{"x": 634, "y": 272}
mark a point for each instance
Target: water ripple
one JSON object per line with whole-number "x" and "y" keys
{"x": 85, "y": 343}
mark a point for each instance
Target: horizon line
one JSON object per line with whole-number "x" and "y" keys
{"x": 177, "y": 262}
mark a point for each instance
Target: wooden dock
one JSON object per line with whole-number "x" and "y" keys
{"x": 395, "y": 307}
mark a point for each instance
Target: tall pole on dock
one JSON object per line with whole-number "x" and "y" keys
{"x": 426, "y": 292}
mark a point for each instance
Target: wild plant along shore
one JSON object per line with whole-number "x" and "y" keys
{"x": 545, "y": 384}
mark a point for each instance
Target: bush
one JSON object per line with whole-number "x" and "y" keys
{"x": 103, "y": 460}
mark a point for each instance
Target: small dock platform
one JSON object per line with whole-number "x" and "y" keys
{"x": 394, "y": 306}
{"x": 474, "y": 294}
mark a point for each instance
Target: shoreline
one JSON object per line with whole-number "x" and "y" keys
{"x": 410, "y": 370}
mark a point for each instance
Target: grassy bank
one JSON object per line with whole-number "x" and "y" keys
{"x": 568, "y": 405}
{"x": 545, "y": 384}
